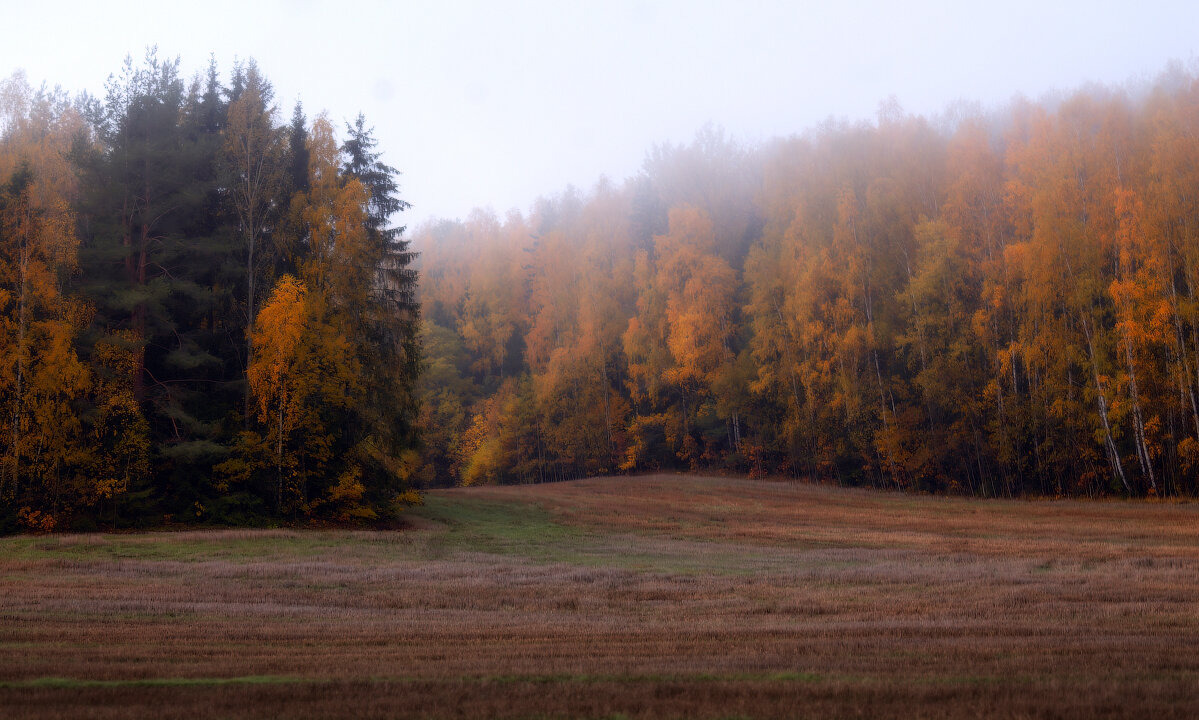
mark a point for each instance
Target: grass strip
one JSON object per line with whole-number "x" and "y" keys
{"x": 71, "y": 683}
{"x": 550, "y": 679}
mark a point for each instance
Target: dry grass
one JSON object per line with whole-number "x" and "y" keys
{"x": 656, "y": 596}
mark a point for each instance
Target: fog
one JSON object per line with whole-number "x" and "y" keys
{"x": 492, "y": 105}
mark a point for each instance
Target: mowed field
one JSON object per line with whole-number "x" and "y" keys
{"x": 659, "y": 596}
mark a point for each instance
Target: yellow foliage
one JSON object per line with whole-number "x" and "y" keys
{"x": 408, "y": 498}
{"x": 302, "y": 365}
{"x": 349, "y": 487}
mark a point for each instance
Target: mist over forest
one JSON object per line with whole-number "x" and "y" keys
{"x": 993, "y": 304}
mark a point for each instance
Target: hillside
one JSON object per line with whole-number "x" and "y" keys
{"x": 997, "y": 304}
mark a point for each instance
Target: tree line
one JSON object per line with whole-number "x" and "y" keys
{"x": 997, "y": 304}
{"x": 206, "y": 313}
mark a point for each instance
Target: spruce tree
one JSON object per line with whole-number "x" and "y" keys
{"x": 396, "y": 316}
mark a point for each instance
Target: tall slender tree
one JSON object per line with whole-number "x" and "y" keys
{"x": 395, "y": 318}
{"x": 254, "y": 151}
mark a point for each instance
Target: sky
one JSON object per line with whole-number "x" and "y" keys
{"x": 493, "y": 104}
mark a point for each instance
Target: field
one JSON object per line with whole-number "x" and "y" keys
{"x": 660, "y": 596}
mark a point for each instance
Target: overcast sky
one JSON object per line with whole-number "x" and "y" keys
{"x": 492, "y": 104}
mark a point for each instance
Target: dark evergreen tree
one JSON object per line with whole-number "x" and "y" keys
{"x": 193, "y": 202}
{"x": 297, "y": 151}
{"x": 147, "y": 206}
{"x": 397, "y": 316}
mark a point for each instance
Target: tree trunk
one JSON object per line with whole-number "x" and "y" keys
{"x": 250, "y": 243}
{"x": 279, "y": 458}
{"x": 1113, "y": 452}
{"x": 607, "y": 409}
{"x": 1138, "y": 420}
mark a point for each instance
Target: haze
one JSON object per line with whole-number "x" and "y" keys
{"x": 492, "y": 105}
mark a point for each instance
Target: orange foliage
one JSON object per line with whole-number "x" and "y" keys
{"x": 1004, "y": 306}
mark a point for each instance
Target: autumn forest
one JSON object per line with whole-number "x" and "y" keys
{"x": 209, "y": 311}
{"x": 991, "y": 304}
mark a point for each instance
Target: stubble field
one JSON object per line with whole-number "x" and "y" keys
{"x": 660, "y": 596}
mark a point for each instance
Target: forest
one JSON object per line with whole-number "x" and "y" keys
{"x": 206, "y": 313}
{"x": 209, "y": 314}
{"x": 997, "y": 303}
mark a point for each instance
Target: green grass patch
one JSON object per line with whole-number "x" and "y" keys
{"x": 528, "y": 530}
{"x": 504, "y": 528}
